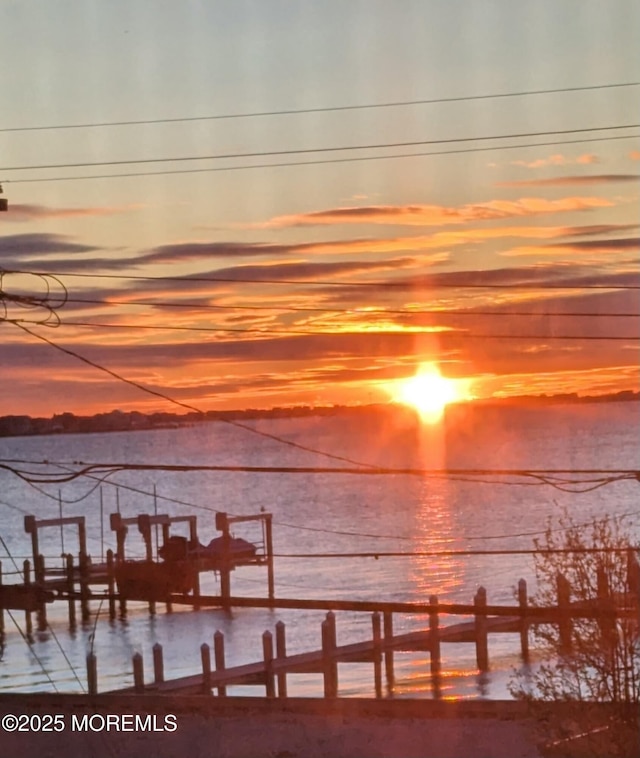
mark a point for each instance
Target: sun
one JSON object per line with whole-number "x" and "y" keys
{"x": 428, "y": 392}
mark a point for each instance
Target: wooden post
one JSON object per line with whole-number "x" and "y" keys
{"x": 482, "y": 647}
{"x": 196, "y": 591}
{"x": 205, "y": 655}
{"x": 376, "y": 637}
{"x": 281, "y": 653}
{"x": 71, "y": 590}
{"x": 269, "y": 540}
{"x": 387, "y": 626}
{"x": 267, "y": 654}
{"x": 329, "y": 664}
{"x": 31, "y": 528}
{"x": 92, "y": 674}
{"x": 27, "y": 581}
{"x": 85, "y": 569}
{"x": 633, "y": 581}
{"x": 563, "y": 589}
{"x": 1, "y": 607}
{"x": 168, "y": 606}
{"x": 111, "y": 584}
{"x": 524, "y": 621}
{"x": 222, "y": 524}
{"x": 434, "y": 637}
{"x": 158, "y": 663}
{"x": 606, "y": 622}
{"x": 138, "y": 673}
{"x": 42, "y": 608}
{"x": 218, "y": 651}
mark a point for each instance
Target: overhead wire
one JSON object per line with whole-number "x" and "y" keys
{"x": 388, "y": 285}
{"x": 278, "y": 522}
{"x": 322, "y": 109}
{"x": 307, "y": 150}
{"x": 455, "y": 333}
{"x": 556, "y": 478}
{"x": 364, "y": 311}
{"x": 289, "y": 164}
{"x": 164, "y": 396}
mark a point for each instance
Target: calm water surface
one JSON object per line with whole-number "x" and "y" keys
{"x": 318, "y": 513}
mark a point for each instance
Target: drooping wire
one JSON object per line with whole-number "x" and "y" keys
{"x": 164, "y": 396}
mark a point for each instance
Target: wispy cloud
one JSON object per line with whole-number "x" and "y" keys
{"x": 558, "y": 160}
{"x": 561, "y": 181}
{"x": 23, "y": 246}
{"x": 20, "y": 213}
{"x": 435, "y": 215}
{"x": 580, "y": 246}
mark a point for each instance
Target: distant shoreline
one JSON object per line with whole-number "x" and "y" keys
{"x": 121, "y": 421}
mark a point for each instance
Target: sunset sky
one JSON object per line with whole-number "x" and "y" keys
{"x": 316, "y": 283}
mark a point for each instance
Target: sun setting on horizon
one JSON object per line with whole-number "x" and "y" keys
{"x": 428, "y": 392}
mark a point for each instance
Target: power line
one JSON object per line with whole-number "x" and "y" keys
{"x": 306, "y": 151}
{"x": 148, "y": 390}
{"x": 289, "y": 164}
{"x": 561, "y": 479}
{"x": 453, "y": 553}
{"x": 453, "y": 334}
{"x": 326, "y": 109}
{"x": 323, "y": 530}
{"x": 388, "y": 285}
{"x": 349, "y": 311}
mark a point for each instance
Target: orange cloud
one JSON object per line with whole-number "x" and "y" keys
{"x": 558, "y": 160}
{"x": 434, "y": 215}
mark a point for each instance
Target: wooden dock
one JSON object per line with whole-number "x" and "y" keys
{"x": 272, "y": 669}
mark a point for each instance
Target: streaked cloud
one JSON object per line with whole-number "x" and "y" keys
{"x": 558, "y": 160}
{"x": 435, "y": 215}
{"x": 561, "y": 181}
{"x": 20, "y": 212}
{"x": 24, "y": 246}
{"x": 581, "y": 246}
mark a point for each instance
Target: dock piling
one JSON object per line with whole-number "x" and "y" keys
{"x": 1, "y": 606}
{"x": 205, "y": 657}
{"x": 387, "y": 628}
{"x": 111, "y": 584}
{"x": 26, "y": 566}
{"x": 281, "y": 652}
{"x": 376, "y": 636}
{"x": 329, "y": 663}
{"x": 267, "y": 655}
{"x": 563, "y": 589}
{"x": 39, "y": 574}
{"x": 481, "y": 629}
{"x": 524, "y": 621}
{"x": 92, "y": 674}
{"x": 70, "y": 590}
{"x": 218, "y": 652}
{"x": 138, "y": 673}
{"x": 158, "y": 663}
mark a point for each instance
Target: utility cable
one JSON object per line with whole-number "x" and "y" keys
{"x": 289, "y": 164}
{"x": 307, "y": 150}
{"x": 164, "y": 396}
{"x": 387, "y": 285}
{"x": 326, "y": 109}
{"x": 455, "y": 333}
{"x": 356, "y": 311}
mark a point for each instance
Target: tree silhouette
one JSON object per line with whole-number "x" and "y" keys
{"x": 585, "y": 686}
